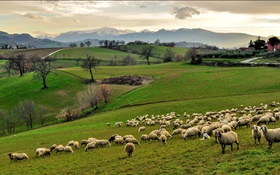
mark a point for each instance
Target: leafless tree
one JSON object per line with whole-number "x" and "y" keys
{"x": 41, "y": 112}
{"x": 19, "y": 61}
{"x": 26, "y": 112}
{"x": 104, "y": 92}
{"x": 88, "y": 64}
{"x": 147, "y": 53}
{"x": 88, "y": 97}
{"x": 7, "y": 121}
{"x": 8, "y": 66}
{"x": 42, "y": 68}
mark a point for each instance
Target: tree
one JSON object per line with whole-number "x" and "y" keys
{"x": 88, "y": 98}
{"x": 251, "y": 44}
{"x": 101, "y": 42}
{"x": 73, "y": 45}
{"x": 19, "y": 61}
{"x": 168, "y": 55}
{"x": 41, "y": 111}
{"x": 146, "y": 53}
{"x": 82, "y": 44}
{"x": 68, "y": 113}
{"x": 194, "y": 57}
{"x": 8, "y": 66}
{"x": 88, "y": 43}
{"x": 88, "y": 64}
{"x": 104, "y": 92}
{"x": 42, "y": 68}
{"x": 273, "y": 41}
{"x": 7, "y": 120}
{"x": 78, "y": 60}
{"x": 259, "y": 44}
{"x": 157, "y": 42}
{"x": 26, "y": 112}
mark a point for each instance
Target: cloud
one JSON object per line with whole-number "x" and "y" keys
{"x": 35, "y": 17}
{"x": 76, "y": 20}
{"x": 184, "y": 12}
{"x": 142, "y": 6}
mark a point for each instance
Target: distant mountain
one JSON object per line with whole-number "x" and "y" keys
{"x": 101, "y": 33}
{"x": 222, "y": 40}
{"x": 27, "y": 40}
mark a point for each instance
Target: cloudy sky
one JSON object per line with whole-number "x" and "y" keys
{"x": 58, "y": 16}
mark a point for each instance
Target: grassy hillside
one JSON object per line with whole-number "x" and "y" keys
{"x": 29, "y": 52}
{"x": 99, "y": 53}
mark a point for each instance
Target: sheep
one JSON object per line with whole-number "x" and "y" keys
{"x": 45, "y": 152}
{"x": 145, "y": 137}
{"x": 193, "y": 131}
{"x": 226, "y": 128}
{"x": 59, "y": 148}
{"x": 68, "y": 149}
{"x": 119, "y": 140}
{"x": 271, "y": 135}
{"x": 153, "y": 136}
{"x": 257, "y": 133}
{"x": 166, "y": 133}
{"x": 142, "y": 128}
{"x": 18, "y": 156}
{"x": 119, "y": 124}
{"x": 53, "y": 147}
{"x": 132, "y": 140}
{"x": 127, "y": 136}
{"x": 163, "y": 139}
{"x": 205, "y": 136}
{"x": 243, "y": 122}
{"x": 156, "y": 132}
{"x": 76, "y": 145}
{"x": 71, "y": 143}
{"x": 129, "y": 149}
{"x": 91, "y": 139}
{"x": 102, "y": 143}
{"x": 90, "y": 145}
{"x": 38, "y": 150}
{"x": 227, "y": 138}
{"x": 112, "y": 138}
{"x": 177, "y": 131}
{"x": 263, "y": 120}
{"x": 215, "y": 131}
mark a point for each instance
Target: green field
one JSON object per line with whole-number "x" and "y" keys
{"x": 178, "y": 87}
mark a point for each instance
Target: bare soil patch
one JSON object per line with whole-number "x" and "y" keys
{"x": 131, "y": 80}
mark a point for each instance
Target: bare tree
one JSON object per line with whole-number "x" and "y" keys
{"x": 81, "y": 101}
{"x": 194, "y": 57}
{"x": 104, "y": 92}
{"x": 146, "y": 53}
{"x": 88, "y": 64}
{"x": 168, "y": 55}
{"x": 42, "y": 68}
{"x": 41, "y": 111}
{"x": 8, "y": 66}
{"x": 26, "y": 112}
{"x": 88, "y": 97}
{"x": 19, "y": 61}
{"x": 7, "y": 122}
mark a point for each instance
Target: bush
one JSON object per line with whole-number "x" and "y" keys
{"x": 69, "y": 114}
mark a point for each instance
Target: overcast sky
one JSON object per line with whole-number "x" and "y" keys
{"x": 54, "y": 17}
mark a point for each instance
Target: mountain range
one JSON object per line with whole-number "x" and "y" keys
{"x": 222, "y": 40}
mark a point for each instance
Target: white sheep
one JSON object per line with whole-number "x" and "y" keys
{"x": 226, "y": 128}
{"x": 153, "y": 136}
{"x": 59, "y": 148}
{"x": 18, "y": 156}
{"x": 257, "y": 133}
{"x": 271, "y": 135}
{"x": 132, "y": 140}
{"x": 193, "y": 131}
{"x": 53, "y": 147}
{"x": 227, "y": 138}
{"x": 90, "y": 145}
{"x": 145, "y": 137}
{"x": 244, "y": 122}
{"x": 76, "y": 145}
{"x": 119, "y": 140}
{"x": 205, "y": 136}
{"x": 142, "y": 128}
{"x": 84, "y": 142}
{"x": 38, "y": 150}
{"x": 166, "y": 133}
{"x": 264, "y": 120}
{"x": 68, "y": 149}
{"x": 102, "y": 143}
{"x": 45, "y": 152}
{"x": 163, "y": 139}
{"x": 129, "y": 149}
{"x": 214, "y": 133}
{"x": 70, "y": 143}
{"x": 177, "y": 131}
{"x": 127, "y": 136}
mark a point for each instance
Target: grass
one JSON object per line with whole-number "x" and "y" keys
{"x": 30, "y": 52}
{"x": 99, "y": 53}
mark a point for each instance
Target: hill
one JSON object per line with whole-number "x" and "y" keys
{"x": 222, "y": 40}
{"x": 27, "y": 40}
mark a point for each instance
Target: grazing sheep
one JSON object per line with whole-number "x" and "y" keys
{"x": 119, "y": 140}
{"x": 271, "y": 135}
{"x": 18, "y": 156}
{"x": 84, "y": 142}
{"x": 38, "y": 150}
{"x": 112, "y": 138}
{"x": 53, "y": 147}
{"x": 227, "y": 138}
{"x": 59, "y": 148}
{"x": 71, "y": 143}
{"x": 163, "y": 139}
{"x": 76, "y": 145}
{"x": 119, "y": 124}
{"x": 132, "y": 140}
{"x": 177, "y": 131}
{"x": 91, "y": 139}
{"x": 102, "y": 143}
{"x": 205, "y": 136}
{"x": 193, "y": 131}
{"x": 129, "y": 149}
{"x": 145, "y": 137}
{"x": 153, "y": 136}
{"x": 243, "y": 122}
{"x": 226, "y": 128}
{"x": 166, "y": 133}
{"x": 142, "y": 128}
{"x": 45, "y": 152}
{"x": 156, "y": 132}
{"x": 68, "y": 149}
{"x": 90, "y": 145}
{"x": 263, "y": 120}
{"x": 127, "y": 136}
{"x": 257, "y": 133}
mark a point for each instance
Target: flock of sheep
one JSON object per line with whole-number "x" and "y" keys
{"x": 218, "y": 124}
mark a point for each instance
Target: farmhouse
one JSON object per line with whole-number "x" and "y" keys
{"x": 270, "y": 47}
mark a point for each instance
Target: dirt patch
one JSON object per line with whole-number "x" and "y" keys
{"x": 131, "y": 80}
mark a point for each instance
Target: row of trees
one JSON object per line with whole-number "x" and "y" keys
{"x": 260, "y": 44}
{"x": 21, "y": 63}
{"x": 111, "y": 43}
{"x": 26, "y": 111}
{"x": 82, "y": 44}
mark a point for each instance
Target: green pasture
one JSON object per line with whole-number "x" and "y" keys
{"x": 99, "y": 53}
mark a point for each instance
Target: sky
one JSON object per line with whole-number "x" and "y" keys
{"x": 261, "y": 18}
